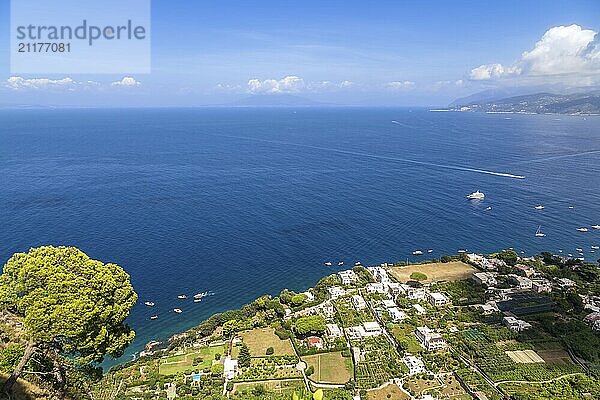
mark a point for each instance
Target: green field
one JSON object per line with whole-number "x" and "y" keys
{"x": 330, "y": 367}
{"x": 175, "y": 364}
{"x": 259, "y": 340}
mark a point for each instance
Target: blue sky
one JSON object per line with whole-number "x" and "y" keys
{"x": 344, "y": 52}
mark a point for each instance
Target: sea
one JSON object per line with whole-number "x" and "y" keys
{"x": 243, "y": 202}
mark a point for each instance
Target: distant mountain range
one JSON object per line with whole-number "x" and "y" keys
{"x": 275, "y": 100}
{"x": 538, "y": 103}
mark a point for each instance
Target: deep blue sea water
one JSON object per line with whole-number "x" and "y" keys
{"x": 245, "y": 202}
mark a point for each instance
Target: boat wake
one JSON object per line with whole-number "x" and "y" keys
{"x": 385, "y": 158}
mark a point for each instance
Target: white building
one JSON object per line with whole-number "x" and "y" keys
{"x": 347, "y": 277}
{"x": 368, "y": 329}
{"x": 229, "y": 368}
{"x": 375, "y": 288}
{"x": 565, "y": 283}
{"x": 485, "y": 278}
{"x": 334, "y": 331}
{"x": 388, "y": 303}
{"x": 372, "y": 328}
{"x": 336, "y": 291}
{"x": 521, "y": 281}
{"x": 419, "y": 308}
{"x": 429, "y": 340}
{"x": 414, "y": 293}
{"x": 379, "y": 274}
{"x": 415, "y": 365}
{"x": 395, "y": 289}
{"x": 396, "y": 315}
{"x": 541, "y": 285}
{"x": 438, "y": 299}
{"x": 309, "y": 296}
{"x": 358, "y": 302}
{"x": 516, "y": 325}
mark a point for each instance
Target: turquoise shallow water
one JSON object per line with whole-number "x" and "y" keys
{"x": 249, "y": 201}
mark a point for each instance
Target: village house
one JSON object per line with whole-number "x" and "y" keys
{"x": 541, "y": 285}
{"x": 415, "y": 293}
{"x": 388, "y": 303}
{"x": 358, "y": 302}
{"x": 593, "y": 319}
{"x": 515, "y": 324}
{"x": 395, "y": 289}
{"x": 565, "y": 283}
{"x": 419, "y": 308}
{"x": 521, "y": 282}
{"x": 336, "y": 291}
{"x": 485, "y": 278}
{"x": 527, "y": 270}
{"x": 314, "y": 342}
{"x": 229, "y": 368}
{"x": 396, "y": 315}
{"x": 334, "y": 331}
{"x": 367, "y": 329}
{"x": 438, "y": 299}
{"x": 415, "y": 365}
{"x": 428, "y": 339}
{"x": 375, "y": 288}
{"x": 348, "y": 277}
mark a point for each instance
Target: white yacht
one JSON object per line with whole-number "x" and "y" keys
{"x": 596, "y": 226}
{"x": 539, "y": 232}
{"x": 153, "y": 317}
{"x": 539, "y": 207}
{"x": 182, "y": 297}
{"x": 340, "y": 263}
{"x": 430, "y": 251}
{"x": 198, "y": 300}
{"x": 417, "y": 253}
{"x": 582, "y": 229}
{"x": 595, "y": 247}
{"x": 328, "y": 264}
{"x": 149, "y": 304}
{"x": 476, "y": 196}
{"x": 177, "y": 310}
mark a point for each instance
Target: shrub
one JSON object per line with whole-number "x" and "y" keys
{"x": 270, "y": 351}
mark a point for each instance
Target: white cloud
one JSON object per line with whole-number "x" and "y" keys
{"x": 564, "y": 54}
{"x": 127, "y": 81}
{"x": 400, "y": 85}
{"x": 20, "y": 83}
{"x": 289, "y": 84}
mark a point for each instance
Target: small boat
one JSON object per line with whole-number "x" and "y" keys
{"x": 539, "y": 207}
{"x": 357, "y": 263}
{"x": 560, "y": 251}
{"x": 149, "y": 304}
{"x": 462, "y": 251}
{"x": 488, "y": 209}
{"x": 182, "y": 297}
{"x": 579, "y": 249}
{"x": 570, "y": 255}
{"x": 581, "y": 259}
{"x": 430, "y": 251}
{"x": 476, "y": 195}
{"x": 595, "y": 247}
{"x": 571, "y": 207}
{"x": 153, "y": 317}
{"x": 595, "y": 226}
{"x": 582, "y": 229}
{"x": 198, "y": 300}
{"x": 539, "y": 232}
{"x": 328, "y": 264}
{"x": 417, "y": 253}
{"x": 340, "y": 263}
{"x": 177, "y": 310}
